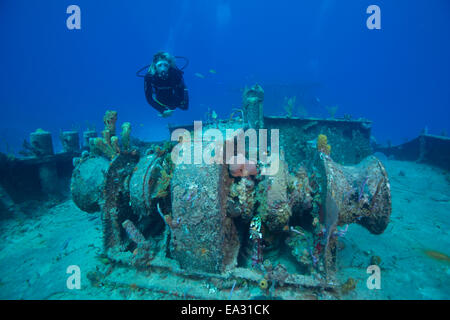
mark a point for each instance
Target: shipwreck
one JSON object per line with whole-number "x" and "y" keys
{"x": 232, "y": 223}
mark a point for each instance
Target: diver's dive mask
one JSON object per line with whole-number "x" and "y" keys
{"x": 162, "y": 69}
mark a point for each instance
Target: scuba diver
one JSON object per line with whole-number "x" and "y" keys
{"x": 164, "y": 84}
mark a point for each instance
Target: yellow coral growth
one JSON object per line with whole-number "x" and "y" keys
{"x": 126, "y": 132}
{"x": 101, "y": 148}
{"x": 115, "y": 144}
{"x": 322, "y": 144}
{"x": 40, "y": 130}
{"x": 109, "y": 120}
{"x": 163, "y": 184}
{"x": 109, "y": 146}
{"x": 263, "y": 284}
{"x": 348, "y": 286}
{"x": 106, "y": 134}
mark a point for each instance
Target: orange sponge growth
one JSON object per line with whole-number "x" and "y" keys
{"x": 322, "y": 144}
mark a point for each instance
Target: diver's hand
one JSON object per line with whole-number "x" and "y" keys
{"x": 166, "y": 114}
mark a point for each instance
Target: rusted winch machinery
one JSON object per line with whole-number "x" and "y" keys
{"x": 224, "y": 220}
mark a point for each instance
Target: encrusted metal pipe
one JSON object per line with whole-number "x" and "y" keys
{"x": 132, "y": 232}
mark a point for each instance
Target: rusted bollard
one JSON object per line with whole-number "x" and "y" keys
{"x": 41, "y": 142}
{"x": 42, "y": 145}
{"x": 252, "y": 103}
{"x": 70, "y": 141}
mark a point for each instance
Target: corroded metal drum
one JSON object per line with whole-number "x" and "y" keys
{"x": 143, "y": 185}
{"x": 361, "y": 193}
{"x": 87, "y": 184}
{"x": 350, "y": 194}
{"x": 117, "y": 198}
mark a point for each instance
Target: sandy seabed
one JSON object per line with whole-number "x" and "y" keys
{"x": 35, "y": 252}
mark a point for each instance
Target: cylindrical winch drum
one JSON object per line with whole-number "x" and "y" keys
{"x": 361, "y": 193}
{"x": 143, "y": 184}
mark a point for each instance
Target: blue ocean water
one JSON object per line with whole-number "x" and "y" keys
{"x": 57, "y": 78}
{"x": 321, "y": 52}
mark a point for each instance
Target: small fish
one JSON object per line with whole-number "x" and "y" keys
{"x": 199, "y": 75}
{"x": 312, "y": 142}
{"x": 436, "y": 255}
{"x": 141, "y": 124}
{"x": 296, "y": 231}
{"x": 212, "y": 71}
{"x": 214, "y": 115}
{"x": 232, "y": 289}
{"x": 65, "y": 244}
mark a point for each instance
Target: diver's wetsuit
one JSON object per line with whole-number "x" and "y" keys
{"x": 167, "y": 94}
